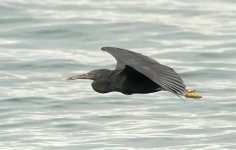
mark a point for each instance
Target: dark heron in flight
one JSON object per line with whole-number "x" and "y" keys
{"x": 136, "y": 73}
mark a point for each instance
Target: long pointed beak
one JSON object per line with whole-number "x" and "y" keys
{"x": 82, "y": 76}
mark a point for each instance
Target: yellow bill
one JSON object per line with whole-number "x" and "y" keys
{"x": 193, "y": 94}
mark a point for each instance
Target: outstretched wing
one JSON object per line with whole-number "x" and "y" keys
{"x": 165, "y": 76}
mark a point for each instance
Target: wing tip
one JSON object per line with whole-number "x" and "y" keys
{"x": 103, "y": 48}
{"x": 107, "y": 48}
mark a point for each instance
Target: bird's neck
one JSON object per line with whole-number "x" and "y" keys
{"x": 104, "y": 84}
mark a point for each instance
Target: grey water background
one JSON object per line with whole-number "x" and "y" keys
{"x": 44, "y": 42}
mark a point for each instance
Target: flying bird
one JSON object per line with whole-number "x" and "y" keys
{"x": 136, "y": 73}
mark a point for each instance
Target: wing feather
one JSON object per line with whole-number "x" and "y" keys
{"x": 161, "y": 74}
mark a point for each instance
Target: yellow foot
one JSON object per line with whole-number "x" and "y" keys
{"x": 193, "y": 94}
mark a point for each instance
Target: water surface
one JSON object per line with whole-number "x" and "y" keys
{"x": 44, "y": 42}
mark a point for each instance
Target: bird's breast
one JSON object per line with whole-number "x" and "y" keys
{"x": 102, "y": 86}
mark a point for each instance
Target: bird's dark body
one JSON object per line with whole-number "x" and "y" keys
{"x": 134, "y": 73}
{"x": 127, "y": 81}
{"x": 132, "y": 82}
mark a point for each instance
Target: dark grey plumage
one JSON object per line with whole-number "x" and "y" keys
{"x": 134, "y": 73}
{"x": 162, "y": 75}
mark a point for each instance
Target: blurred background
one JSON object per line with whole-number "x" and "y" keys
{"x": 44, "y": 42}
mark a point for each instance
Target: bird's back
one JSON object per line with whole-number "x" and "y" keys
{"x": 129, "y": 81}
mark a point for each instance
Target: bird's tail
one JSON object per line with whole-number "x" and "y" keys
{"x": 192, "y": 94}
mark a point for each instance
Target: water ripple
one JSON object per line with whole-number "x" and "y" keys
{"x": 44, "y": 42}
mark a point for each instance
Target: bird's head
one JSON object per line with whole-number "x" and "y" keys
{"x": 92, "y": 75}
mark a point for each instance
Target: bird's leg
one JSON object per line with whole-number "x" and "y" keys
{"x": 193, "y": 94}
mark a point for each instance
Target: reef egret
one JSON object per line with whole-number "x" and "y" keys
{"x": 136, "y": 73}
